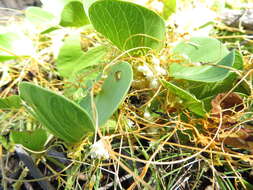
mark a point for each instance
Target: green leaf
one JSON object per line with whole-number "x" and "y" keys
{"x": 38, "y": 16}
{"x": 202, "y": 49}
{"x": 247, "y": 184}
{"x": 243, "y": 87}
{"x": 113, "y": 92}
{"x": 169, "y": 8}
{"x": 72, "y": 59}
{"x": 11, "y": 102}
{"x": 50, "y": 29}
{"x": 64, "y": 118}
{"x": 127, "y": 25}
{"x": 203, "y": 90}
{"x": 5, "y": 143}
{"x": 190, "y": 101}
{"x": 204, "y": 73}
{"x": 67, "y": 12}
{"x": 33, "y": 140}
{"x": 238, "y": 64}
{"x": 13, "y": 45}
{"x": 73, "y": 15}
{"x": 86, "y": 78}
{"x": 207, "y": 103}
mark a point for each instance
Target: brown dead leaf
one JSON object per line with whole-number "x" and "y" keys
{"x": 228, "y": 104}
{"x": 240, "y": 139}
{"x": 236, "y": 142}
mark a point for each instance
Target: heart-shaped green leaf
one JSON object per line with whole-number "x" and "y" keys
{"x": 190, "y": 101}
{"x": 202, "y": 49}
{"x": 204, "y": 73}
{"x": 11, "y": 102}
{"x": 33, "y": 140}
{"x": 66, "y": 12}
{"x": 113, "y": 91}
{"x": 73, "y": 59}
{"x": 73, "y": 15}
{"x": 13, "y": 45}
{"x": 127, "y": 25}
{"x": 62, "y": 117}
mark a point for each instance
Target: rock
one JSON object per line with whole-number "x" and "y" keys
{"x": 19, "y": 4}
{"x": 237, "y": 18}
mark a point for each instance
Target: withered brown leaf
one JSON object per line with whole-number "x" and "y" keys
{"x": 228, "y": 104}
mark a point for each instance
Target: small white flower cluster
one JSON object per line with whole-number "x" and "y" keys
{"x": 147, "y": 114}
{"x": 98, "y": 150}
{"x": 130, "y": 123}
{"x": 154, "y": 83}
{"x": 149, "y": 74}
{"x": 146, "y": 71}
